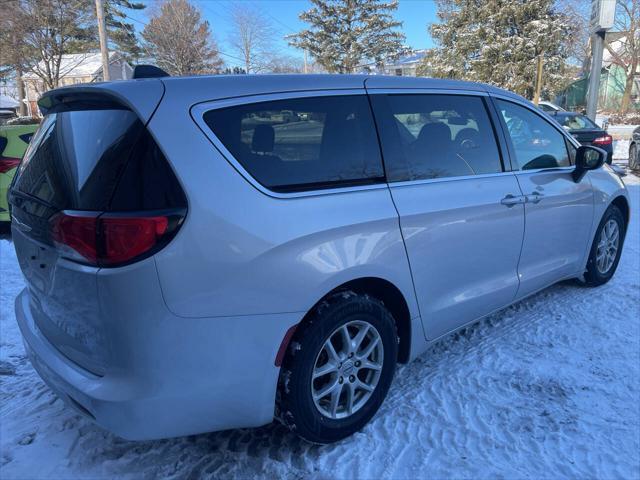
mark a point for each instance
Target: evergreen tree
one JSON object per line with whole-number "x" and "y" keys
{"x": 499, "y": 41}
{"x": 346, "y": 33}
{"x": 180, "y": 41}
{"x": 121, "y": 32}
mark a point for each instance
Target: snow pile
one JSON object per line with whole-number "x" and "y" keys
{"x": 547, "y": 388}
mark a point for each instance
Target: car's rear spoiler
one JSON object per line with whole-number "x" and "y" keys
{"x": 139, "y": 96}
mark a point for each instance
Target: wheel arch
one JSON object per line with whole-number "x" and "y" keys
{"x": 623, "y": 204}
{"x": 386, "y": 292}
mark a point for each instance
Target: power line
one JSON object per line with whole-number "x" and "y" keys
{"x": 132, "y": 35}
{"x": 277, "y": 20}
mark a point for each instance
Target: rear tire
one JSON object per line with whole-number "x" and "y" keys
{"x": 633, "y": 157}
{"x": 359, "y": 371}
{"x": 603, "y": 261}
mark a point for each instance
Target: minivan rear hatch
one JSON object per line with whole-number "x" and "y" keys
{"x": 93, "y": 190}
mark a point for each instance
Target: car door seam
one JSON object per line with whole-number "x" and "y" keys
{"x": 524, "y": 236}
{"x": 395, "y": 207}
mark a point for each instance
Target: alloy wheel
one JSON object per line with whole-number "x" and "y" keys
{"x": 347, "y": 369}
{"x": 608, "y": 246}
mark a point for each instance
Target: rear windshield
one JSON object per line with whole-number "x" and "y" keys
{"x": 302, "y": 143}
{"x": 97, "y": 160}
{"x": 576, "y": 122}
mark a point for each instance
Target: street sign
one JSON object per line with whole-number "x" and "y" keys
{"x": 603, "y": 14}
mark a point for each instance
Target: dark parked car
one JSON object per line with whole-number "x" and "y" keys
{"x": 586, "y": 131}
{"x": 634, "y": 150}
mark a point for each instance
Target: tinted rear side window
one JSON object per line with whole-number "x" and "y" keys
{"x": 97, "y": 160}
{"x": 427, "y": 136}
{"x": 302, "y": 143}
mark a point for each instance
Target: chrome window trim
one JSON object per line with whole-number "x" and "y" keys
{"x": 198, "y": 111}
{"x": 545, "y": 170}
{"x": 425, "y": 181}
{"x": 479, "y": 176}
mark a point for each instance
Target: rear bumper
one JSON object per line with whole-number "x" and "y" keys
{"x": 176, "y": 377}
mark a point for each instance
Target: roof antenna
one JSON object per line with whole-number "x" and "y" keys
{"x": 148, "y": 71}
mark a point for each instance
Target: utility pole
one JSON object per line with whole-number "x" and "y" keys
{"x": 22, "y": 109}
{"x": 597, "y": 48}
{"x": 602, "y": 19}
{"x": 102, "y": 33}
{"x": 306, "y": 68}
{"x": 20, "y": 84}
{"x": 536, "y": 95}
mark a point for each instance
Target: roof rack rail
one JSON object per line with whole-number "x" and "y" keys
{"x": 148, "y": 71}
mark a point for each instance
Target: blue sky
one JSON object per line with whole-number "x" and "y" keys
{"x": 415, "y": 15}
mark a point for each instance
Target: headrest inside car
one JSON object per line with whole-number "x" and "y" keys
{"x": 263, "y": 138}
{"x": 434, "y": 132}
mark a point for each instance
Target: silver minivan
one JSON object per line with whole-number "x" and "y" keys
{"x": 218, "y": 252}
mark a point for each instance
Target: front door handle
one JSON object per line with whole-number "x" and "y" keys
{"x": 534, "y": 197}
{"x": 511, "y": 200}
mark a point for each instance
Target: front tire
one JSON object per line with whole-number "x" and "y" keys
{"x": 606, "y": 249}
{"x": 633, "y": 156}
{"x": 338, "y": 369}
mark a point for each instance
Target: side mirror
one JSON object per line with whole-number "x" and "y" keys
{"x": 588, "y": 158}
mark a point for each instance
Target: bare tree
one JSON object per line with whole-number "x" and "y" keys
{"x": 11, "y": 56}
{"x": 35, "y": 34}
{"x": 180, "y": 41}
{"x": 579, "y": 45}
{"x": 252, "y": 37}
{"x": 285, "y": 64}
{"x": 626, "y": 51}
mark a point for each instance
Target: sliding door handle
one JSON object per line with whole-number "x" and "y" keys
{"x": 511, "y": 200}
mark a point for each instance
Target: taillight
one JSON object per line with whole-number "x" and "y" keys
{"x": 126, "y": 238}
{"x": 8, "y": 163}
{"x": 604, "y": 140}
{"x": 112, "y": 239}
{"x": 75, "y": 235}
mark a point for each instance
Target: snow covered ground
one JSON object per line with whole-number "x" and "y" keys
{"x": 621, "y": 151}
{"x": 621, "y": 139}
{"x": 549, "y": 388}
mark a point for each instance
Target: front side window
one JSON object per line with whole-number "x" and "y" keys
{"x": 426, "y": 136}
{"x": 302, "y": 143}
{"x": 536, "y": 143}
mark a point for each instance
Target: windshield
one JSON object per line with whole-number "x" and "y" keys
{"x": 576, "y": 122}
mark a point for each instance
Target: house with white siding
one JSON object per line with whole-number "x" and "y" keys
{"x": 76, "y": 68}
